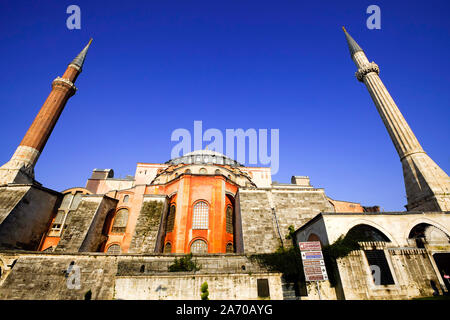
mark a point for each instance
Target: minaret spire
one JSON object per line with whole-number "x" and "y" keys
{"x": 79, "y": 59}
{"x": 20, "y": 169}
{"x": 352, "y": 45}
{"x": 427, "y": 185}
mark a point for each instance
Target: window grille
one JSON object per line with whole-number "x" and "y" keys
{"x": 229, "y": 220}
{"x": 201, "y": 216}
{"x": 114, "y": 249}
{"x": 120, "y": 221}
{"x": 199, "y": 246}
{"x": 171, "y": 218}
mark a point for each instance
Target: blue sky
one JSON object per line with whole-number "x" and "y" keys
{"x": 155, "y": 66}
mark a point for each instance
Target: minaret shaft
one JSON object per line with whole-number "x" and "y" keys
{"x": 427, "y": 185}
{"x": 20, "y": 168}
{"x": 404, "y": 140}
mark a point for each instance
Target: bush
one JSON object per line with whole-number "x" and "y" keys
{"x": 204, "y": 290}
{"x": 184, "y": 264}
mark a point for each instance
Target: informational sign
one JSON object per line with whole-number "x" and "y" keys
{"x": 312, "y": 259}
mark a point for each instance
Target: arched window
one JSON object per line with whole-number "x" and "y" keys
{"x": 201, "y": 216}
{"x": 218, "y": 171}
{"x": 230, "y": 248}
{"x": 114, "y": 249}
{"x": 171, "y": 218}
{"x": 126, "y": 198}
{"x": 167, "y": 248}
{"x": 188, "y": 171}
{"x": 202, "y": 171}
{"x": 199, "y": 246}
{"x": 229, "y": 219}
{"x": 120, "y": 221}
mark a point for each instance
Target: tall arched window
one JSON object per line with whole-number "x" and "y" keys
{"x": 114, "y": 249}
{"x": 120, "y": 221}
{"x": 126, "y": 198}
{"x": 229, "y": 220}
{"x": 199, "y": 246}
{"x": 201, "y": 216}
{"x": 171, "y": 218}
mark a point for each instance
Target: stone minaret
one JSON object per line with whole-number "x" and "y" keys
{"x": 427, "y": 185}
{"x": 20, "y": 169}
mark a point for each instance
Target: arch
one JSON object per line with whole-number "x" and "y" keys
{"x": 200, "y": 215}
{"x": 229, "y": 248}
{"x": 187, "y": 171}
{"x": 120, "y": 221}
{"x": 372, "y": 224}
{"x": 170, "y": 196}
{"x": 114, "y": 248}
{"x": 217, "y": 172}
{"x": 421, "y": 220}
{"x": 365, "y": 232}
{"x": 168, "y": 247}
{"x": 314, "y": 237}
{"x": 427, "y": 233}
{"x": 199, "y": 245}
{"x": 202, "y": 171}
{"x": 126, "y": 198}
{"x": 231, "y": 195}
{"x": 76, "y": 189}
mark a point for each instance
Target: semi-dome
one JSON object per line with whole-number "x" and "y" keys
{"x": 204, "y": 157}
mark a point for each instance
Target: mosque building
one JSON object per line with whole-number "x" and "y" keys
{"x": 122, "y": 234}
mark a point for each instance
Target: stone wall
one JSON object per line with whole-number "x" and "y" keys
{"x": 27, "y": 208}
{"x": 187, "y": 287}
{"x": 265, "y": 229}
{"x": 43, "y": 277}
{"x": 148, "y": 234}
{"x": 411, "y": 270}
{"x": 83, "y": 228}
{"x": 37, "y": 275}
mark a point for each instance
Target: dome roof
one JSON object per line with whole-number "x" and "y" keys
{"x": 205, "y": 157}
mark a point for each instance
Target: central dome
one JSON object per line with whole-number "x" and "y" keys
{"x": 205, "y": 157}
